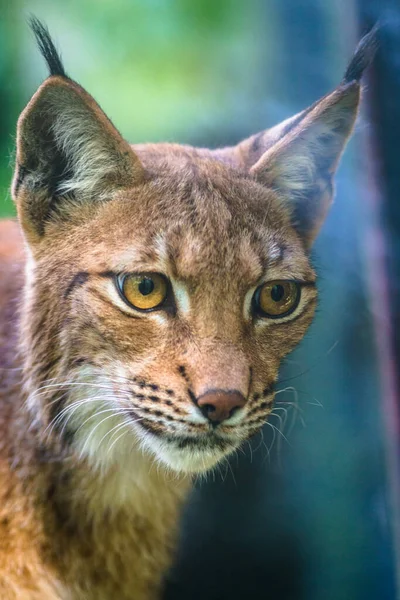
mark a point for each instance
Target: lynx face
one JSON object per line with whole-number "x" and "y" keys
{"x": 200, "y": 233}
{"x": 165, "y": 283}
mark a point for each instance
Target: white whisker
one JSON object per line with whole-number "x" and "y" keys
{"x": 94, "y": 430}
{"x": 119, "y": 437}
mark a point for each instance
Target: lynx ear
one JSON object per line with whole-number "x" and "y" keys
{"x": 66, "y": 149}
{"x": 302, "y": 164}
{"x": 299, "y": 157}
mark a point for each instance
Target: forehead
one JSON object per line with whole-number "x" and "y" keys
{"x": 193, "y": 218}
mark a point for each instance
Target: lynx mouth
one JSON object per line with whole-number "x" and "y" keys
{"x": 206, "y": 438}
{"x": 207, "y": 442}
{"x": 196, "y": 453}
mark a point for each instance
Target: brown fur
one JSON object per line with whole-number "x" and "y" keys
{"x": 85, "y": 513}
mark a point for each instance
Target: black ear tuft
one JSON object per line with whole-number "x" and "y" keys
{"x": 363, "y": 56}
{"x": 47, "y": 47}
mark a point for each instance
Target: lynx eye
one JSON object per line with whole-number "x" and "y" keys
{"x": 276, "y": 299}
{"x": 144, "y": 291}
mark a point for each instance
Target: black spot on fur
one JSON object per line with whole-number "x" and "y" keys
{"x": 155, "y": 429}
{"x": 268, "y": 390}
{"x": 182, "y": 372}
{"x": 192, "y": 396}
{"x": 47, "y": 48}
{"x": 78, "y": 280}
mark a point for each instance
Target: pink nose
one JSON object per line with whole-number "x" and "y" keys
{"x": 218, "y": 405}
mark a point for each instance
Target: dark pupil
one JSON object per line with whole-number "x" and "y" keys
{"x": 146, "y": 286}
{"x": 277, "y": 293}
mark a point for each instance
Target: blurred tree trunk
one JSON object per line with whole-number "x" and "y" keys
{"x": 383, "y": 97}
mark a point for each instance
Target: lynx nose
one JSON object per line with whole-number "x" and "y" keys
{"x": 218, "y": 405}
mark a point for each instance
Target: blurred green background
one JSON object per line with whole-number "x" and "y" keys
{"x": 173, "y": 71}
{"x": 311, "y": 518}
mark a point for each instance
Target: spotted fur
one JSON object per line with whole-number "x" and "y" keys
{"x": 100, "y": 430}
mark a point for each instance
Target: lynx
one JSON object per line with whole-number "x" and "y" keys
{"x": 148, "y": 295}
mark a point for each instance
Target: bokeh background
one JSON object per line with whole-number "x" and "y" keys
{"x": 310, "y": 510}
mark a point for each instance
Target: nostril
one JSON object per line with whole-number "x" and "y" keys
{"x": 209, "y": 411}
{"x": 208, "y": 408}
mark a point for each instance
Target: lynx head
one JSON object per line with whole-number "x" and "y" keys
{"x": 166, "y": 283}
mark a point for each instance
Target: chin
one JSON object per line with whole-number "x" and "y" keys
{"x": 187, "y": 455}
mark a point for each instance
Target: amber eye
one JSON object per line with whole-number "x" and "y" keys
{"x": 276, "y": 299}
{"x": 143, "y": 291}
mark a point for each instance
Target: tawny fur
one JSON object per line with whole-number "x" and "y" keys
{"x": 99, "y": 428}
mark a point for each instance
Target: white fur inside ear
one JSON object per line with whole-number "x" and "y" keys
{"x": 310, "y": 152}
{"x": 297, "y": 167}
{"x": 87, "y": 150}
{"x": 295, "y": 173}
